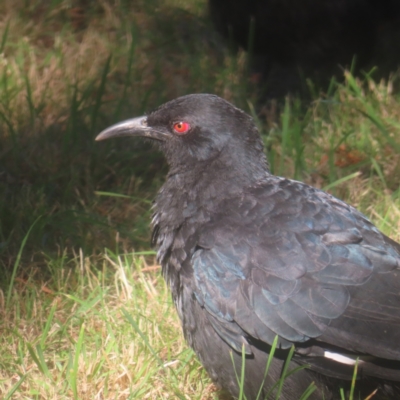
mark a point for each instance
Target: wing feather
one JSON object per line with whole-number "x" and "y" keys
{"x": 289, "y": 260}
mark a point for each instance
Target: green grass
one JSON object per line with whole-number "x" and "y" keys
{"x": 83, "y": 309}
{"x": 102, "y": 327}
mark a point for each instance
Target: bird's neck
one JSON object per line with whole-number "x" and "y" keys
{"x": 188, "y": 192}
{"x": 229, "y": 173}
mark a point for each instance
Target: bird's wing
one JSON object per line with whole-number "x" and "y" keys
{"x": 293, "y": 261}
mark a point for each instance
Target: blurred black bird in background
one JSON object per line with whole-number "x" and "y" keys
{"x": 249, "y": 255}
{"x": 311, "y": 38}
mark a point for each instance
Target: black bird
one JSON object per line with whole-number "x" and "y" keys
{"x": 249, "y": 255}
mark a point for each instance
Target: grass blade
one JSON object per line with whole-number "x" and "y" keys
{"x": 10, "y": 394}
{"x": 123, "y": 196}
{"x": 99, "y": 94}
{"x": 341, "y": 180}
{"x": 47, "y": 326}
{"x": 73, "y": 376}
{"x": 16, "y": 264}
{"x": 283, "y": 374}
{"x": 269, "y": 361}
{"x": 135, "y": 326}
{"x": 4, "y": 37}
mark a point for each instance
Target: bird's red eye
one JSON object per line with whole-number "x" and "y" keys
{"x": 181, "y": 127}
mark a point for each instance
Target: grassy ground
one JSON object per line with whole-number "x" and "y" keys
{"x": 84, "y": 313}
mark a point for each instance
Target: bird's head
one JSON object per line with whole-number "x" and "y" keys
{"x": 198, "y": 129}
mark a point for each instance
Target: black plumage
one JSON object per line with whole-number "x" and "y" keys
{"x": 249, "y": 256}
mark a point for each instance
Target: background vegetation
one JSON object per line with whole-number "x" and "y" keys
{"x": 84, "y": 313}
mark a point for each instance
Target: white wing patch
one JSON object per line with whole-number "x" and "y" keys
{"x": 343, "y": 359}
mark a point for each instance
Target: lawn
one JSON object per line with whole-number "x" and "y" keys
{"x": 84, "y": 312}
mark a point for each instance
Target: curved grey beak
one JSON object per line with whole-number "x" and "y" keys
{"x": 131, "y": 127}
